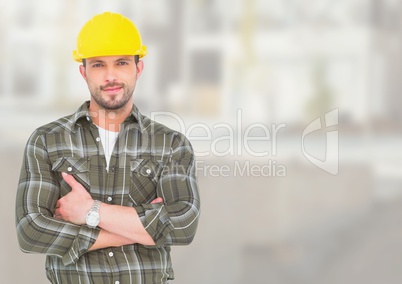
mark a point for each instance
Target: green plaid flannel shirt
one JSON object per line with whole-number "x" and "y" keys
{"x": 149, "y": 160}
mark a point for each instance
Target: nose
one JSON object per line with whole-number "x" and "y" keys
{"x": 111, "y": 74}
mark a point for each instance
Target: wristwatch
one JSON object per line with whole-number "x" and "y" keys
{"x": 92, "y": 219}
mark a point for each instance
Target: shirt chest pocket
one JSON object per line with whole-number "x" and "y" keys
{"x": 78, "y": 167}
{"x": 145, "y": 174}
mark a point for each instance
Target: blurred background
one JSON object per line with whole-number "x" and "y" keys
{"x": 235, "y": 69}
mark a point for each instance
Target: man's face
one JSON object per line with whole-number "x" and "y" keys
{"x": 111, "y": 80}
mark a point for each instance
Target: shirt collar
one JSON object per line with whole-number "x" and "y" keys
{"x": 83, "y": 113}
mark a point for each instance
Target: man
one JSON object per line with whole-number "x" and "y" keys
{"x": 105, "y": 192}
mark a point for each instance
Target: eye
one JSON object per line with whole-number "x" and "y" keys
{"x": 121, "y": 63}
{"x": 96, "y": 65}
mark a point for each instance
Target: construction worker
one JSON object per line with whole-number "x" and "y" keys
{"x": 105, "y": 192}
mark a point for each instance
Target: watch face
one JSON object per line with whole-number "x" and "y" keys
{"x": 92, "y": 219}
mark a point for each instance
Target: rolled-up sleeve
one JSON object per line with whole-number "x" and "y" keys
{"x": 38, "y": 192}
{"x": 175, "y": 221}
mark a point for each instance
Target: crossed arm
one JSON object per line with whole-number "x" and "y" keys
{"x": 52, "y": 225}
{"x": 120, "y": 225}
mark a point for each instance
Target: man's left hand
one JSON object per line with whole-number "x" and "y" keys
{"x": 74, "y": 206}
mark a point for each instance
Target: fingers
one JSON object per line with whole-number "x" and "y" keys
{"x": 70, "y": 180}
{"x": 57, "y": 214}
{"x": 57, "y": 210}
{"x": 157, "y": 200}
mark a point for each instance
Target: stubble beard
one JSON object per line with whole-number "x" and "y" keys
{"x": 113, "y": 104}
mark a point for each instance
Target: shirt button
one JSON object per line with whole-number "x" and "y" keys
{"x": 97, "y": 139}
{"x": 69, "y": 169}
{"x": 88, "y": 118}
{"x": 117, "y": 282}
{"x": 111, "y": 254}
{"x": 148, "y": 171}
{"x": 109, "y": 198}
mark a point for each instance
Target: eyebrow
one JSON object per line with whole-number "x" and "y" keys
{"x": 128, "y": 58}
{"x": 95, "y": 61}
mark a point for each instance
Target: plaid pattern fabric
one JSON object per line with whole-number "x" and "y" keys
{"x": 149, "y": 160}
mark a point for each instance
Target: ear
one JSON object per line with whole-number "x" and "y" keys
{"x": 140, "y": 67}
{"x": 82, "y": 71}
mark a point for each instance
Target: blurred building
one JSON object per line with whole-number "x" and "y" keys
{"x": 277, "y": 62}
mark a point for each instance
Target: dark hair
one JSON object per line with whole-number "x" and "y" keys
{"x": 136, "y": 59}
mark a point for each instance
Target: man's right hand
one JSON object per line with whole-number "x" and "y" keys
{"x": 157, "y": 200}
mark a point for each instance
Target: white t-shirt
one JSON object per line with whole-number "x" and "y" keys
{"x": 108, "y": 139}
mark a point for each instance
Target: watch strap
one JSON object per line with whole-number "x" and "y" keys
{"x": 96, "y": 206}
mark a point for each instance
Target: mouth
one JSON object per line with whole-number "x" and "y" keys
{"x": 112, "y": 90}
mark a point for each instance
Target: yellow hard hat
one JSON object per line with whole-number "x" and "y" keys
{"x": 108, "y": 34}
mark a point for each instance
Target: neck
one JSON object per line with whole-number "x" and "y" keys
{"x": 109, "y": 119}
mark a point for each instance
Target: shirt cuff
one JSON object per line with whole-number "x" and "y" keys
{"x": 83, "y": 241}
